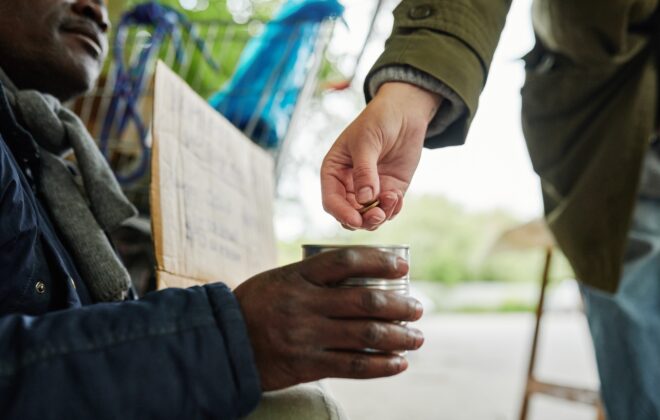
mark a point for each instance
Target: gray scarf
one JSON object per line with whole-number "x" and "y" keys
{"x": 83, "y": 218}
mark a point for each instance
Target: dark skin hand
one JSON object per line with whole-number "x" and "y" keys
{"x": 304, "y": 330}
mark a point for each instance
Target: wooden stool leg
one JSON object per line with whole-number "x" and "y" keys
{"x": 535, "y": 340}
{"x": 600, "y": 412}
{"x": 525, "y": 406}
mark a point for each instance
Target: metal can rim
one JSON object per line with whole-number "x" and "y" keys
{"x": 384, "y": 289}
{"x": 330, "y": 246}
{"x": 393, "y": 286}
{"x": 384, "y": 282}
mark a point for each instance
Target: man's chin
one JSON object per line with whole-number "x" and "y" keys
{"x": 72, "y": 72}
{"x": 74, "y": 80}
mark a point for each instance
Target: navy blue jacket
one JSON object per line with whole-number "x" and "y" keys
{"x": 175, "y": 354}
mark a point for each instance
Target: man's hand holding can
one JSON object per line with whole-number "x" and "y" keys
{"x": 302, "y": 328}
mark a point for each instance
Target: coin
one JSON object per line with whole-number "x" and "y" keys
{"x": 369, "y": 206}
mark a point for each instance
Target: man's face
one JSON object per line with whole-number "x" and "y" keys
{"x": 54, "y": 46}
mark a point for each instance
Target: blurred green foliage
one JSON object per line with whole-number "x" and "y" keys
{"x": 448, "y": 244}
{"x": 213, "y": 9}
{"x": 225, "y": 35}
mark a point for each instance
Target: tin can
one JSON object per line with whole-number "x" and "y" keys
{"x": 400, "y": 285}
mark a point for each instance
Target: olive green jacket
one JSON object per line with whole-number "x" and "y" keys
{"x": 589, "y": 105}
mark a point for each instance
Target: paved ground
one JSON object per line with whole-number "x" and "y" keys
{"x": 472, "y": 367}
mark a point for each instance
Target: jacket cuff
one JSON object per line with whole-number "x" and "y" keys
{"x": 230, "y": 321}
{"x": 460, "y": 71}
{"x": 452, "y": 107}
{"x": 452, "y": 41}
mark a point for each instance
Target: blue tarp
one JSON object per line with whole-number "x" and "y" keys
{"x": 261, "y": 95}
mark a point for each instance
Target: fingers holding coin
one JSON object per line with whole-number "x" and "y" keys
{"x": 368, "y": 207}
{"x": 377, "y": 212}
{"x": 390, "y": 202}
{"x": 385, "y": 208}
{"x": 372, "y": 215}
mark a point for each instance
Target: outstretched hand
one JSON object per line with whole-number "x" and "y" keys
{"x": 302, "y": 330}
{"x": 376, "y": 156}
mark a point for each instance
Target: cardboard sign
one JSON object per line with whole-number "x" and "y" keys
{"x": 211, "y": 192}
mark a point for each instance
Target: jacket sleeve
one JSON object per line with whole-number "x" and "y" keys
{"x": 175, "y": 354}
{"x": 450, "y": 40}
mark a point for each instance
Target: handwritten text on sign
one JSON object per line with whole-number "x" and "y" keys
{"x": 211, "y": 192}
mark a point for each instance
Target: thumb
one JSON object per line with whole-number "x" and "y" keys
{"x": 335, "y": 265}
{"x": 366, "y": 181}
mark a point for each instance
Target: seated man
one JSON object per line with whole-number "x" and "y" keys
{"x": 73, "y": 342}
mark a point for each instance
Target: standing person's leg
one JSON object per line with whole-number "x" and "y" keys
{"x": 625, "y": 327}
